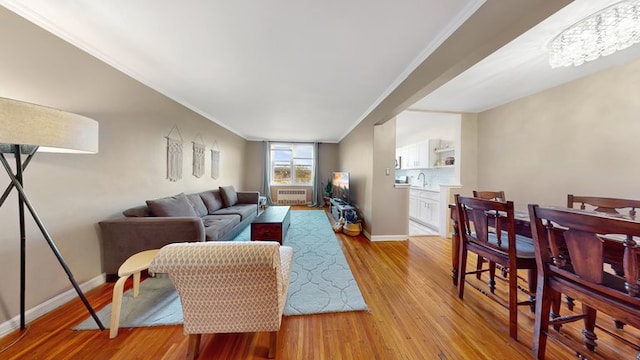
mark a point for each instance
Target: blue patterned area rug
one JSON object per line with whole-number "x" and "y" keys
{"x": 321, "y": 280}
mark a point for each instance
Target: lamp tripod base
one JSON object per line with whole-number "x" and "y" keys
{"x": 23, "y": 201}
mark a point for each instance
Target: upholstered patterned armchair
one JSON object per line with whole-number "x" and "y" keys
{"x": 228, "y": 287}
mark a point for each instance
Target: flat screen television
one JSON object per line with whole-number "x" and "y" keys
{"x": 340, "y": 185}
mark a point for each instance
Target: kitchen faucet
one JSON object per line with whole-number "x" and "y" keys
{"x": 424, "y": 179}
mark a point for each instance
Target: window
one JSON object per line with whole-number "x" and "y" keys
{"x": 291, "y": 164}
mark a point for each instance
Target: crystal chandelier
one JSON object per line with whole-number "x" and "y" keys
{"x": 614, "y": 28}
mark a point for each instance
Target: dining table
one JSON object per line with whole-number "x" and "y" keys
{"x": 614, "y": 246}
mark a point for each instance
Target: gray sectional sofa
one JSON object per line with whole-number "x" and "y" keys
{"x": 211, "y": 215}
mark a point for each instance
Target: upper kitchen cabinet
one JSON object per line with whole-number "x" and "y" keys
{"x": 417, "y": 155}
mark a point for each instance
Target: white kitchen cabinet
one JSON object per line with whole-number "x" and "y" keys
{"x": 433, "y": 218}
{"x": 423, "y": 155}
{"x": 401, "y": 155}
{"x": 412, "y": 155}
{"x": 413, "y": 204}
{"x": 418, "y": 155}
{"x": 424, "y": 207}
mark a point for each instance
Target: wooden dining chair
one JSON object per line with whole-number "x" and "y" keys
{"x": 497, "y": 196}
{"x": 571, "y": 261}
{"x": 605, "y": 205}
{"x": 490, "y": 195}
{"x": 487, "y": 228}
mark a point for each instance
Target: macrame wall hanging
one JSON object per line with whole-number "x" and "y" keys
{"x": 215, "y": 161}
{"x": 198, "y": 157}
{"x": 174, "y": 155}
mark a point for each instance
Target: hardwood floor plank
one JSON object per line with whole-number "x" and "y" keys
{"x": 414, "y": 313}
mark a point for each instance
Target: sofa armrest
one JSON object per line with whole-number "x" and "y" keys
{"x": 123, "y": 237}
{"x": 248, "y": 197}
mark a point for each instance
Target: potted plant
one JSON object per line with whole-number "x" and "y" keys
{"x": 352, "y": 225}
{"x": 328, "y": 187}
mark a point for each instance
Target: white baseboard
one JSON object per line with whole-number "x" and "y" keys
{"x": 389, "y": 238}
{"x": 50, "y": 305}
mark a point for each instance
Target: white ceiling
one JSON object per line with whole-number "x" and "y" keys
{"x": 521, "y": 68}
{"x": 301, "y": 70}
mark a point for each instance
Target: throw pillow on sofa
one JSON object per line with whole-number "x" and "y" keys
{"x": 177, "y": 205}
{"x": 212, "y": 200}
{"x": 229, "y": 195}
{"x": 138, "y": 211}
{"x": 198, "y": 204}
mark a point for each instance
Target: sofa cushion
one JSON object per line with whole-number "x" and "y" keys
{"x": 138, "y": 211}
{"x": 229, "y": 195}
{"x": 212, "y": 200}
{"x": 198, "y": 204}
{"x": 176, "y": 205}
{"x": 217, "y": 226}
{"x": 244, "y": 210}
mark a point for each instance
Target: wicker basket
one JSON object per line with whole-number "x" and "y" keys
{"x": 352, "y": 229}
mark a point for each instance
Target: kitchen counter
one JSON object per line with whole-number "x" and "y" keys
{"x": 433, "y": 188}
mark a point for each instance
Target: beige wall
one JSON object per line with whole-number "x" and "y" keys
{"x": 468, "y": 154}
{"x": 385, "y": 224}
{"x": 356, "y": 157}
{"x": 365, "y": 153}
{"x": 577, "y": 138}
{"x": 73, "y": 192}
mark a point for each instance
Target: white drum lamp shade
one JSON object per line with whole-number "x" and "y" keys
{"x": 52, "y": 130}
{"x": 25, "y": 128}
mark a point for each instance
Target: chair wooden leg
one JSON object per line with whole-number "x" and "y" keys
{"x": 273, "y": 344}
{"x": 570, "y": 303}
{"x": 116, "y": 305}
{"x": 532, "y": 284}
{"x": 513, "y": 303}
{"x": 588, "y": 336}
{"x": 556, "y": 301}
{"x": 136, "y": 284}
{"x": 194, "y": 346}
{"x": 462, "y": 269}
{"x": 544, "y": 298}
{"x": 619, "y": 324}
{"x": 479, "y": 264}
{"x": 492, "y": 277}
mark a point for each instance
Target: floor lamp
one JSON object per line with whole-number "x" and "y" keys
{"x": 24, "y": 129}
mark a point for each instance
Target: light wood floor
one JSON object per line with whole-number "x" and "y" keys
{"x": 414, "y": 314}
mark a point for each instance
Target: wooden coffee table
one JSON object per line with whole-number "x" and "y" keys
{"x": 272, "y": 224}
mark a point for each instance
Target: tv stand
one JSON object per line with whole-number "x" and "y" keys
{"x": 338, "y": 207}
